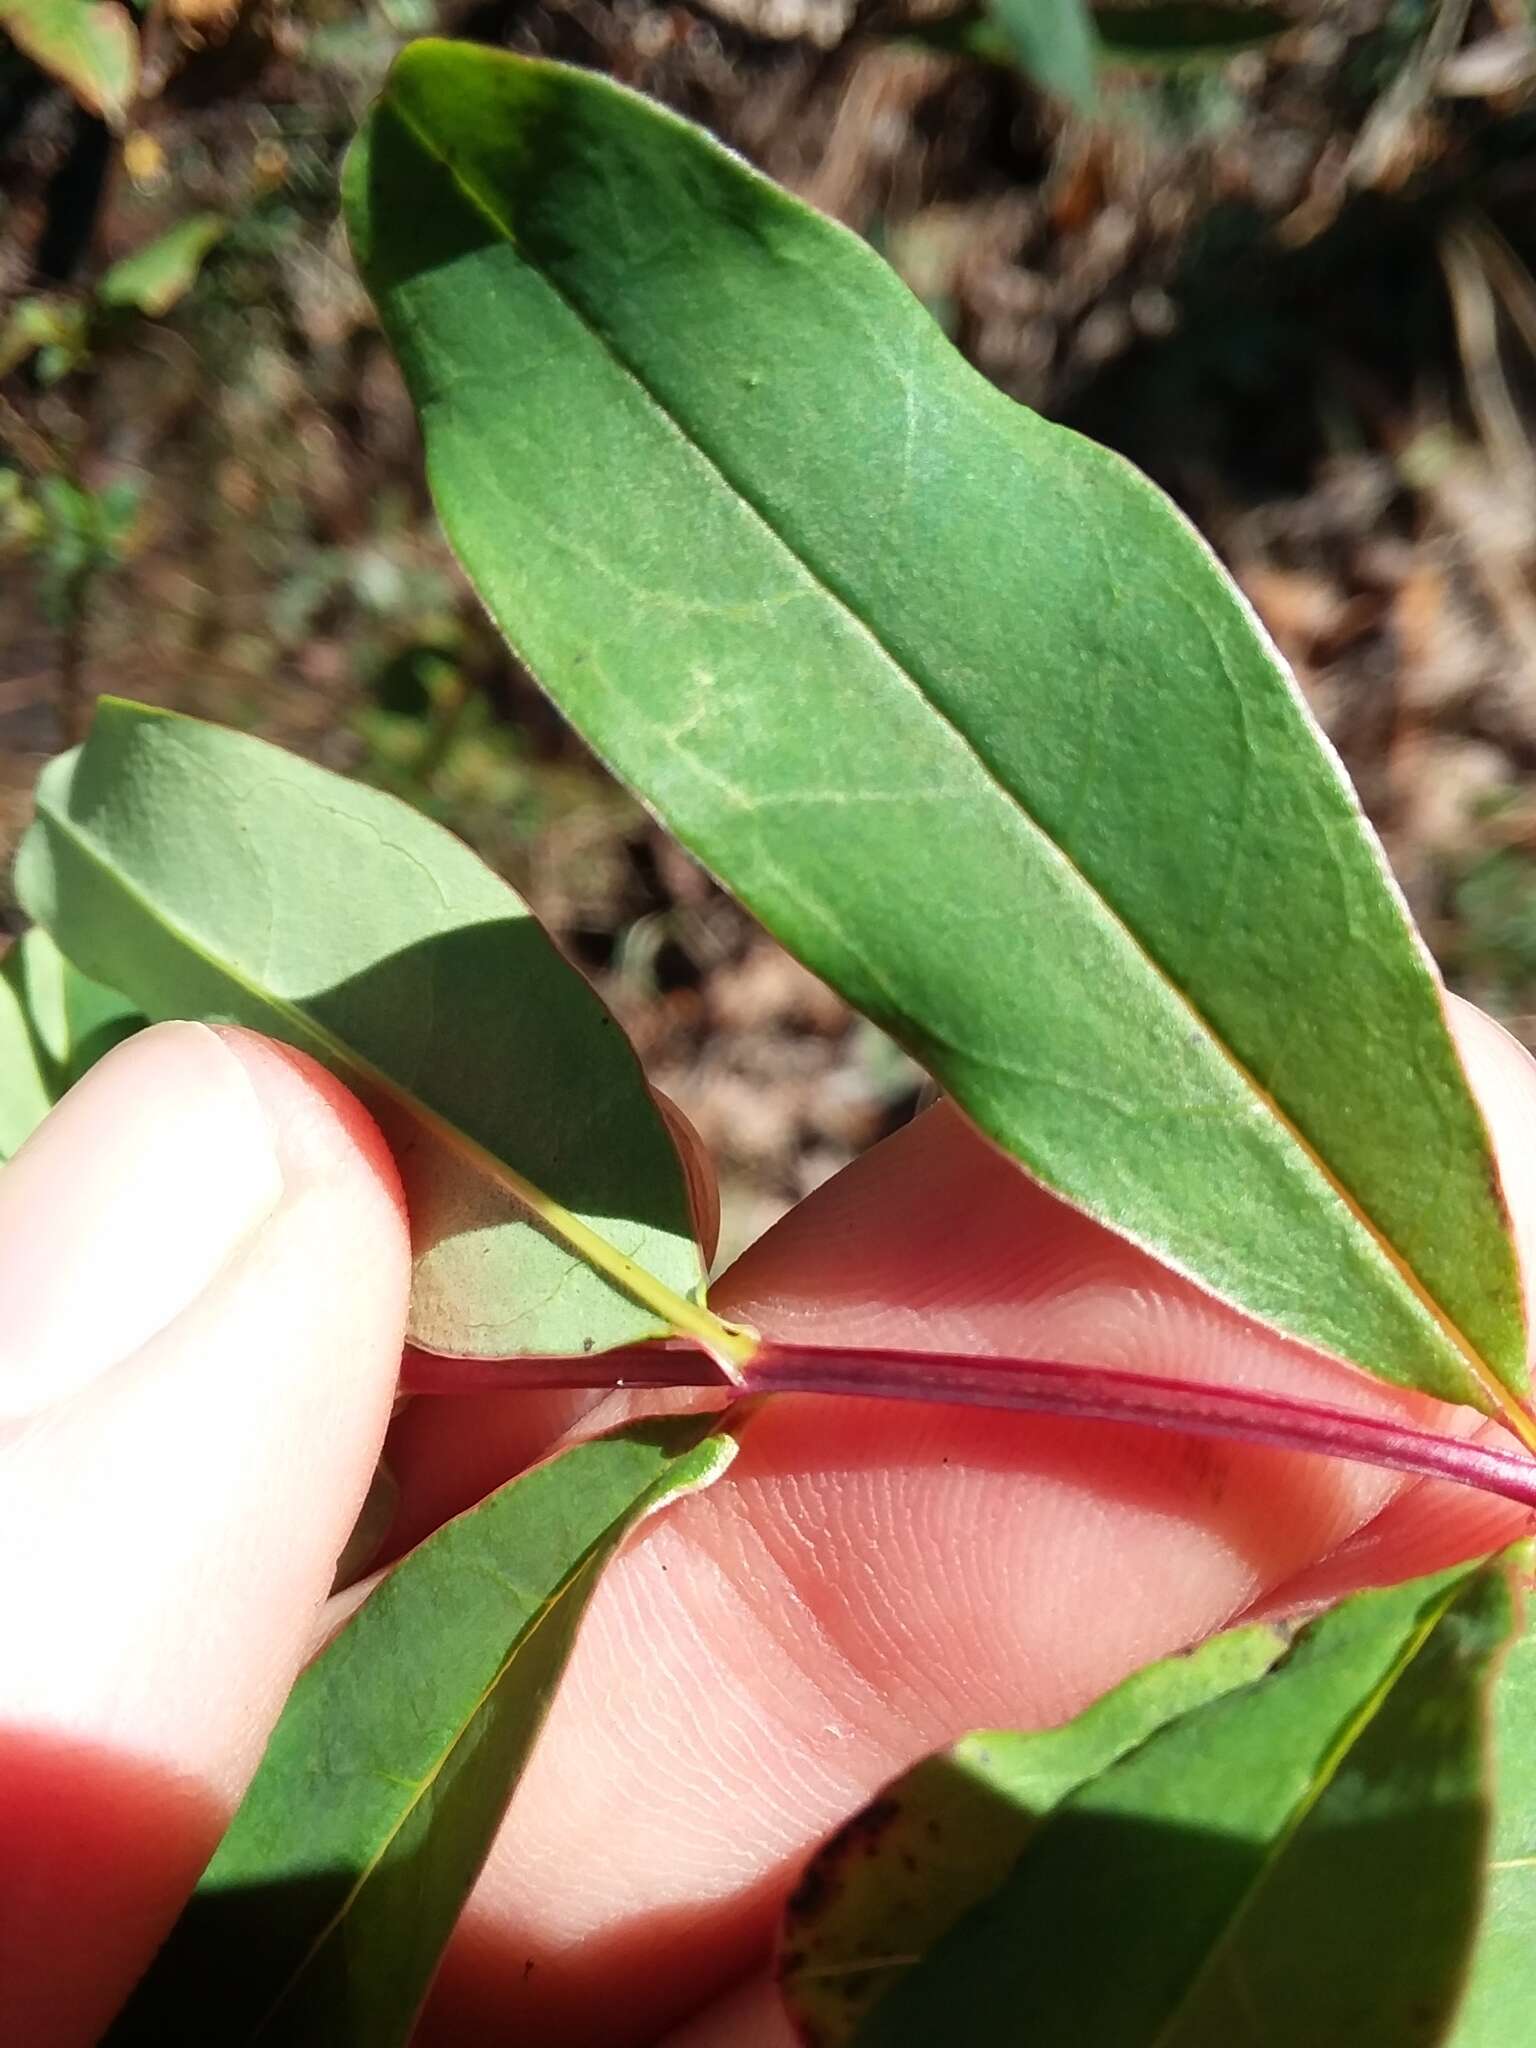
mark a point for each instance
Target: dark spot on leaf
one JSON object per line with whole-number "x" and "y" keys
{"x": 823, "y": 1873}
{"x": 587, "y": 1343}
{"x": 815, "y": 1889}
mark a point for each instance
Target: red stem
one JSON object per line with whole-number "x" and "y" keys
{"x": 1036, "y": 1386}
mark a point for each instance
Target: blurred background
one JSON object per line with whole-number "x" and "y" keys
{"x": 1284, "y": 257}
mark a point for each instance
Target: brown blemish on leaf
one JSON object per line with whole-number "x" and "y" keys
{"x": 823, "y": 1874}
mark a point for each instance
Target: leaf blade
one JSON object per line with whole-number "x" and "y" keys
{"x": 55, "y": 1024}
{"x": 1256, "y": 1870}
{"x": 206, "y": 873}
{"x": 25, "y": 1094}
{"x": 91, "y": 46}
{"x": 651, "y": 385}
{"x": 881, "y": 1894}
{"x": 1501, "y": 1987}
{"x": 323, "y": 1912}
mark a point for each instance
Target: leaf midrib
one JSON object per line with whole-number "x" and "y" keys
{"x": 1381, "y": 1246}
{"x": 595, "y": 1250}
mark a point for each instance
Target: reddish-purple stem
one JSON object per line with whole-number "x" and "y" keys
{"x": 1034, "y": 1385}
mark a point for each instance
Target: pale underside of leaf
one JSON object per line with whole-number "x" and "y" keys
{"x": 84, "y": 886}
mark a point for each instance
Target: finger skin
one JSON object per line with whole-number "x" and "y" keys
{"x": 457, "y": 1450}
{"x": 751, "y": 2015}
{"x": 869, "y": 1581}
{"x": 168, "y": 1533}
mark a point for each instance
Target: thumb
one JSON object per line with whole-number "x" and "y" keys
{"x": 203, "y": 1268}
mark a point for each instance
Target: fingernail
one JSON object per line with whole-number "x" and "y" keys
{"x": 123, "y": 1205}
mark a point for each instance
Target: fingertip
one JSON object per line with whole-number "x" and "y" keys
{"x": 320, "y": 1128}
{"x": 1503, "y": 1078}
{"x": 751, "y": 2016}
{"x": 122, "y": 1206}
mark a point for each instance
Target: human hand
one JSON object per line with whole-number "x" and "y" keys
{"x": 867, "y": 1582}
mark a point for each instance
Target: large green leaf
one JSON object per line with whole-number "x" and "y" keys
{"x": 320, "y": 1920}
{"x": 54, "y": 1024}
{"x": 942, "y": 1838}
{"x": 955, "y": 701}
{"x": 1299, "y": 1861}
{"x": 207, "y": 874}
{"x": 1501, "y": 1994}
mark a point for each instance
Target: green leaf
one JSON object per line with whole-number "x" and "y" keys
{"x": 1300, "y": 1861}
{"x": 954, "y": 701}
{"x": 74, "y": 1020}
{"x": 1501, "y": 1992}
{"x": 54, "y": 1025}
{"x": 91, "y": 46}
{"x": 152, "y": 279}
{"x": 209, "y": 875}
{"x": 1166, "y": 35}
{"x": 41, "y": 322}
{"x": 1053, "y": 40}
{"x": 880, "y": 1894}
{"x": 323, "y": 1913}
{"x": 25, "y": 1096}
